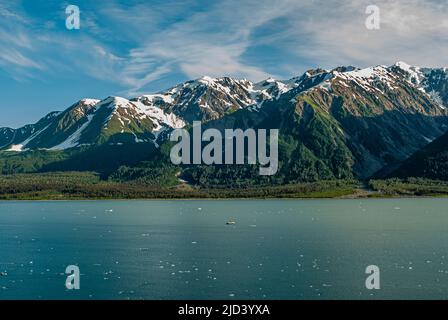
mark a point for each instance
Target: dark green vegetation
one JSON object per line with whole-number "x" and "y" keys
{"x": 138, "y": 183}
{"x": 87, "y": 185}
{"x": 28, "y": 162}
{"x": 409, "y": 187}
{"x": 104, "y": 159}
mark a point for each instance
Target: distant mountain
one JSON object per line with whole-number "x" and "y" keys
{"x": 340, "y": 123}
{"x": 142, "y": 119}
{"x": 208, "y": 99}
{"x": 93, "y": 122}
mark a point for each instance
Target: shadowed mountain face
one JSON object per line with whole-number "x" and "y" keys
{"x": 6, "y": 137}
{"x": 343, "y": 123}
{"x": 430, "y": 162}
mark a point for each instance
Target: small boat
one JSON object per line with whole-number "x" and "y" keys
{"x": 231, "y": 222}
{"x": 3, "y": 274}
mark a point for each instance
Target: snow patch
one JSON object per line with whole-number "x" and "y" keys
{"x": 73, "y": 140}
{"x": 22, "y": 146}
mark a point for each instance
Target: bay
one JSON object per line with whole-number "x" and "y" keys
{"x": 277, "y": 249}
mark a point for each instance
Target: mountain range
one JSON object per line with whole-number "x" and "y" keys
{"x": 345, "y": 123}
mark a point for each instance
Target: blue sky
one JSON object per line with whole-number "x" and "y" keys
{"x": 130, "y": 47}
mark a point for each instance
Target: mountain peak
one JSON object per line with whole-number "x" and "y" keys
{"x": 406, "y": 67}
{"x": 313, "y": 72}
{"x": 207, "y": 80}
{"x": 345, "y": 69}
{"x": 113, "y": 102}
{"x": 89, "y": 101}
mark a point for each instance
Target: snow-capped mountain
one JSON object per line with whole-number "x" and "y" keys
{"x": 208, "y": 98}
{"x": 378, "y": 116}
{"x": 89, "y": 122}
{"x": 349, "y": 122}
{"x": 116, "y": 120}
{"x": 364, "y": 92}
{"x": 433, "y": 81}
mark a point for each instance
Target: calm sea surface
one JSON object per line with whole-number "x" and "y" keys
{"x": 278, "y": 249}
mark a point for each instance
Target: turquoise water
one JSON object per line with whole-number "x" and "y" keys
{"x": 278, "y": 249}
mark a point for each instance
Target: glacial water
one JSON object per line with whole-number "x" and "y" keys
{"x": 278, "y": 249}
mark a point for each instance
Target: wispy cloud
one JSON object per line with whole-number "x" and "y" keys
{"x": 134, "y": 44}
{"x": 412, "y": 30}
{"x": 207, "y": 42}
{"x": 7, "y": 11}
{"x": 14, "y": 57}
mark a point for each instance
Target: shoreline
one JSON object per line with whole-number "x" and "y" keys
{"x": 385, "y": 197}
{"x": 85, "y": 187}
